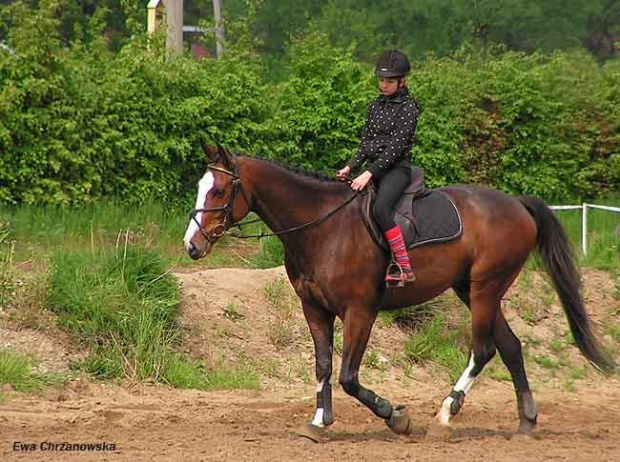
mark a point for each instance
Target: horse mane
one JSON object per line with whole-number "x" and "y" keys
{"x": 300, "y": 171}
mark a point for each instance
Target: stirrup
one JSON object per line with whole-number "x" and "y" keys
{"x": 396, "y": 276}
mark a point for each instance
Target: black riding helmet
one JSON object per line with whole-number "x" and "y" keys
{"x": 391, "y": 64}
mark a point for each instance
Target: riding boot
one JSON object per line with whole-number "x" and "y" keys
{"x": 394, "y": 237}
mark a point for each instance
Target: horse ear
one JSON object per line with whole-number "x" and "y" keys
{"x": 212, "y": 153}
{"x": 224, "y": 156}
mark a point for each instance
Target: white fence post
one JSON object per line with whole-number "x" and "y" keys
{"x": 584, "y": 218}
{"x": 584, "y": 228}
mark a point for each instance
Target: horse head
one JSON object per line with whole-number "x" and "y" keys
{"x": 220, "y": 203}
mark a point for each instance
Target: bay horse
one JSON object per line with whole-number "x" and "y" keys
{"x": 337, "y": 269}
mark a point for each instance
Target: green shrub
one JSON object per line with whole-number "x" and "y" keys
{"x": 123, "y": 307}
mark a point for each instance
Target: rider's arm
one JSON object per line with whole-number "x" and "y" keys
{"x": 363, "y": 151}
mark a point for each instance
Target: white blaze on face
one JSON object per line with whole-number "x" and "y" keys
{"x": 204, "y": 186}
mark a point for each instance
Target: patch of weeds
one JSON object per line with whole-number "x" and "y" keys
{"x": 532, "y": 342}
{"x": 442, "y": 343}
{"x": 578, "y": 373}
{"x": 408, "y": 318}
{"x": 528, "y": 316}
{"x": 569, "y": 385}
{"x": 557, "y": 345}
{"x": 396, "y": 359}
{"x": 569, "y": 339}
{"x": 270, "y": 367}
{"x": 239, "y": 376}
{"x": 497, "y": 371}
{"x": 546, "y": 362}
{"x": 338, "y": 342}
{"x": 232, "y": 312}
{"x": 547, "y": 297}
{"x": 270, "y": 253}
{"x": 408, "y": 370}
{"x": 372, "y": 360}
{"x": 282, "y": 331}
{"x": 304, "y": 374}
{"x": 16, "y": 369}
{"x": 614, "y": 331}
{"x": 225, "y": 332}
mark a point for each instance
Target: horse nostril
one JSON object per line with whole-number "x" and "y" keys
{"x": 193, "y": 251}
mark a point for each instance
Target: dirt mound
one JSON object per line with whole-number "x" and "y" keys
{"x": 231, "y": 315}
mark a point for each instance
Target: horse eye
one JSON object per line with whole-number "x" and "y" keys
{"x": 218, "y": 193}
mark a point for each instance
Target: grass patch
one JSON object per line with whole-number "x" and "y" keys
{"x": 270, "y": 253}
{"x": 372, "y": 360}
{"x": 557, "y": 345}
{"x": 232, "y": 312}
{"x": 578, "y": 374}
{"x": 441, "y": 342}
{"x": 40, "y": 231}
{"x": 284, "y": 302}
{"x": 16, "y": 369}
{"x": 122, "y": 306}
{"x": 614, "y": 331}
{"x": 409, "y": 318}
{"x": 498, "y": 371}
{"x": 547, "y": 362}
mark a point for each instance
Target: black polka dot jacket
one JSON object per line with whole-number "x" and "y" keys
{"x": 388, "y": 135}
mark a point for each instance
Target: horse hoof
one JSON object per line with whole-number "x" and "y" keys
{"x": 438, "y": 432}
{"x": 400, "y": 421}
{"x": 313, "y": 433}
{"x": 526, "y": 430}
{"x": 519, "y": 436}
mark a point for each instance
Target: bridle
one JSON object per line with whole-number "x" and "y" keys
{"x": 227, "y": 222}
{"x": 227, "y": 209}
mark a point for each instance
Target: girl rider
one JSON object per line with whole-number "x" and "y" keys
{"x": 385, "y": 148}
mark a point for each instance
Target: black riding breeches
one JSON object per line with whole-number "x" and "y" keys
{"x": 391, "y": 188}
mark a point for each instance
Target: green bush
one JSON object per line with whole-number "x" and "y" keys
{"x": 79, "y": 122}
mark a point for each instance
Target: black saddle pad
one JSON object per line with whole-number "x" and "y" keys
{"x": 435, "y": 219}
{"x": 426, "y": 218}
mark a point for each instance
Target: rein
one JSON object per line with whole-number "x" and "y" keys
{"x": 227, "y": 209}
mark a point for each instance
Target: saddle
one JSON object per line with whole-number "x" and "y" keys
{"x": 424, "y": 215}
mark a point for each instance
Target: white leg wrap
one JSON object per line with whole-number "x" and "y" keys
{"x": 318, "y": 418}
{"x": 463, "y": 384}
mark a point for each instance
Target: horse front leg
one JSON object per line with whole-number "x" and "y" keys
{"x": 321, "y": 324}
{"x": 357, "y": 328}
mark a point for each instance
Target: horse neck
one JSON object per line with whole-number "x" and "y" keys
{"x": 284, "y": 199}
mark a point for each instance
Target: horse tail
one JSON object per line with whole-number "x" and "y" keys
{"x": 558, "y": 259}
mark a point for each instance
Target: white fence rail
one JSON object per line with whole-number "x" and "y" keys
{"x": 584, "y": 218}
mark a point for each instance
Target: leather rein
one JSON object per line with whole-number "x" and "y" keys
{"x": 227, "y": 210}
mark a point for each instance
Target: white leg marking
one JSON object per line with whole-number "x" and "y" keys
{"x": 318, "y": 417}
{"x": 463, "y": 384}
{"x": 204, "y": 186}
{"x": 466, "y": 380}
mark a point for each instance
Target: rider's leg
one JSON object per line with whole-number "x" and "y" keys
{"x": 391, "y": 188}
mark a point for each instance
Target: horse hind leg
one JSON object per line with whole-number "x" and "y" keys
{"x": 357, "y": 328}
{"x": 509, "y": 347}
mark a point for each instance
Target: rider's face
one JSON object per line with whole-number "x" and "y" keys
{"x": 388, "y": 86}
